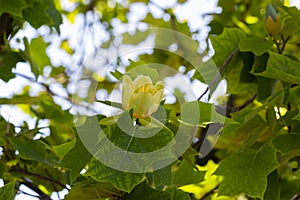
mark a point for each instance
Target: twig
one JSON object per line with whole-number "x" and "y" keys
{"x": 284, "y": 41}
{"x": 26, "y": 193}
{"x": 23, "y": 171}
{"x": 225, "y": 63}
{"x": 52, "y": 93}
{"x": 33, "y": 187}
{"x": 296, "y": 196}
{"x": 246, "y": 103}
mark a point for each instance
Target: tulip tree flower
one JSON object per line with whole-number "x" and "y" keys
{"x": 141, "y": 95}
{"x": 273, "y": 21}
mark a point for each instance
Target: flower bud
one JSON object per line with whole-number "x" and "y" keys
{"x": 141, "y": 95}
{"x": 273, "y": 21}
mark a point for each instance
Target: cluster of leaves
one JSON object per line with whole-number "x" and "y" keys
{"x": 257, "y": 155}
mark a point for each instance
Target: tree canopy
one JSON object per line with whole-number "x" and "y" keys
{"x": 108, "y": 99}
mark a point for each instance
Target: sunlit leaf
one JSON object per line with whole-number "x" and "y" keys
{"x": 7, "y": 191}
{"x": 122, "y": 180}
{"x": 246, "y": 172}
{"x": 12, "y": 7}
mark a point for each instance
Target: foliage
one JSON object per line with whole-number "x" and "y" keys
{"x": 252, "y": 132}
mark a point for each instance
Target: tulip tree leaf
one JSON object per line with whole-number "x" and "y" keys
{"x": 226, "y": 43}
{"x": 281, "y": 67}
{"x": 12, "y": 7}
{"x": 178, "y": 194}
{"x": 38, "y": 53}
{"x": 145, "y": 192}
{"x": 122, "y": 180}
{"x": 161, "y": 177}
{"x": 76, "y": 159}
{"x": 29, "y": 149}
{"x": 256, "y": 45}
{"x": 200, "y": 113}
{"x": 286, "y": 143}
{"x": 9, "y": 61}
{"x": 128, "y": 147}
{"x": 187, "y": 174}
{"x": 246, "y": 172}
{"x": 7, "y": 191}
{"x": 273, "y": 187}
{"x": 36, "y": 14}
{"x": 42, "y": 13}
{"x": 91, "y": 190}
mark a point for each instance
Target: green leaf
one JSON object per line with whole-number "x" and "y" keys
{"x": 256, "y": 45}
{"x": 281, "y": 67}
{"x": 264, "y": 85}
{"x": 297, "y": 117}
{"x": 54, "y": 14}
{"x": 136, "y": 148}
{"x": 12, "y": 7}
{"x": 246, "y": 172}
{"x": 42, "y": 13}
{"x": 29, "y": 149}
{"x": 226, "y": 43}
{"x": 88, "y": 189}
{"x": 145, "y": 192}
{"x": 135, "y": 38}
{"x": 286, "y": 143}
{"x": 200, "y": 113}
{"x": 36, "y": 55}
{"x": 161, "y": 177}
{"x": 178, "y": 194}
{"x": 111, "y": 103}
{"x": 187, "y": 174}
{"x": 140, "y": 68}
{"x": 7, "y": 191}
{"x": 48, "y": 109}
{"x": 76, "y": 158}
{"x": 234, "y": 71}
{"x": 64, "y": 148}
{"x": 244, "y": 134}
{"x": 122, "y": 180}
{"x": 117, "y": 74}
{"x": 273, "y": 187}
{"x": 36, "y": 14}
{"x": 9, "y": 60}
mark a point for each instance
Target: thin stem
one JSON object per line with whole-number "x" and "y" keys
{"x": 225, "y": 63}
{"x": 52, "y": 93}
{"x": 33, "y": 187}
{"x": 246, "y": 103}
{"x": 26, "y": 193}
{"x": 23, "y": 171}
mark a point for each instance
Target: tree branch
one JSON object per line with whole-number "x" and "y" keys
{"x": 26, "y": 193}
{"x": 296, "y": 196}
{"x": 225, "y": 63}
{"x": 246, "y": 103}
{"x": 33, "y": 187}
{"x": 23, "y": 171}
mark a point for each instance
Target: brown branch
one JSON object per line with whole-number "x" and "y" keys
{"x": 52, "y": 93}
{"x": 296, "y": 196}
{"x": 24, "y": 171}
{"x": 33, "y": 187}
{"x": 284, "y": 42}
{"x": 25, "y": 193}
{"x": 225, "y": 63}
{"x": 246, "y": 103}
